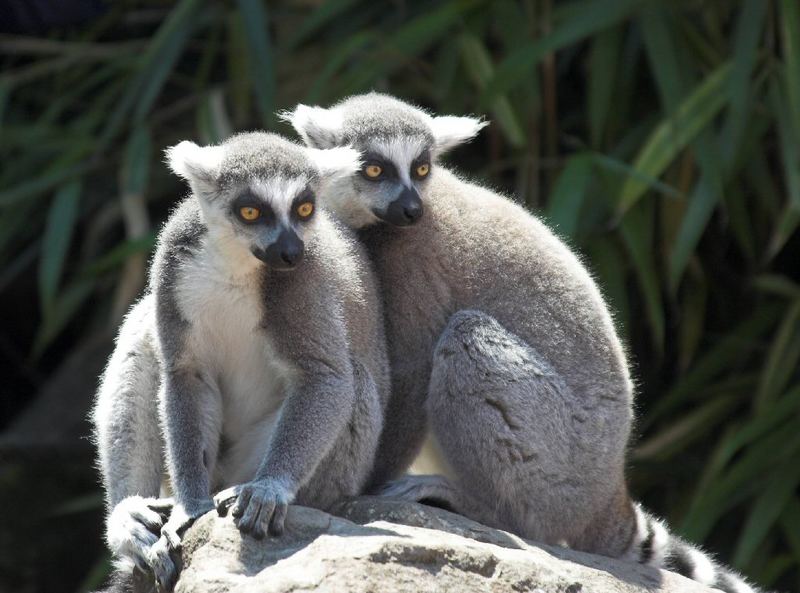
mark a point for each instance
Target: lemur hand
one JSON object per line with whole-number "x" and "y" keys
{"x": 257, "y": 507}
{"x": 135, "y": 525}
{"x": 162, "y": 557}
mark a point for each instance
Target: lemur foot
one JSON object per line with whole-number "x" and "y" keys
{"x": 135, "y": 525}
{"x": 163, "y": 555}
{"x": 164, "y": 565}
{"x": 434, "y": 489}
{"x": 258, "y": 507}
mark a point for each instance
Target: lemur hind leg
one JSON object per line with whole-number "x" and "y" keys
{"x": 501, "y": 416}
{"x": 129, "y": 443}
{"x": 345, "y": 469}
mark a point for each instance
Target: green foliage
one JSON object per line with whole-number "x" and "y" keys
{"x": 662, "y": 139}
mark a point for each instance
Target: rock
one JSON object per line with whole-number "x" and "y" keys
{"x": 375, "y": 545}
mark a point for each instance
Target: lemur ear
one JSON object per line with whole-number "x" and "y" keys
{"x": 449, "y": 130}
{"x": 317, "y": 126}
{"x": 199, "y": 165}
{"x": 335, "y": 163}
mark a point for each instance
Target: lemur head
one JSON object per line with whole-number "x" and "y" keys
{"x": 257, "y": 192}
{"x": 399, "y": 144}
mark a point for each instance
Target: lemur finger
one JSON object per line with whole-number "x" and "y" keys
{"x": 248, "y": 518}
{"x": 276, "y": 525}
{"x": 242, "y": 502}
{"x": 264, "y": 518}
{"x": 172, "y": 537}
{"x": 163, "y": 566}
{"x": 224, "y": 499}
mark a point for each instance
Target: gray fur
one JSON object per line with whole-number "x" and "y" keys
{"x": 271, "y": 385}
{"x": 499, "y": 341}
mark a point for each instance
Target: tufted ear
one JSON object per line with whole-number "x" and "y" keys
{"x": 317, "y": 126}
{"x": 449, "y": 131}
{"x": 335, "y": 163}
{"x": 199, "y": 165}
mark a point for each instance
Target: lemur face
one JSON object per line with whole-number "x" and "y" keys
{"x": 398, "y": 143}
{"x": 257, "y": 192}
{"x": 392, "y": 178}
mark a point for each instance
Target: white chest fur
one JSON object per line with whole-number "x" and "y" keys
{"x": 230, "y": 344}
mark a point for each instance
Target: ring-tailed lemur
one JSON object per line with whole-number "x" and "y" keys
{"x": 499, "y": 339}
{"x": 259, "y": 350}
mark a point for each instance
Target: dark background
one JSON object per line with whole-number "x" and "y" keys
{"x": 660, "y": 138}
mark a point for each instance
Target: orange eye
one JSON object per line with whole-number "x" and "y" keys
{"x": 373, "y": 171}
{"x": 305, "y": 209}
{"x": 249, "y": 213}
{"x": 423, "y": 169}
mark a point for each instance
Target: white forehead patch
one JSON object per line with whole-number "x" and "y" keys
{"x": 401, "y": 152}
{"x": 279, "y": 192}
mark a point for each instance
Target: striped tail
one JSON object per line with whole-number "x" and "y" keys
{"x": 655, "y": 546}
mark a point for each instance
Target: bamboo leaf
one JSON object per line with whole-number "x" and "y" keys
{"x": 738, "y": 343}
{"x": 479, "y": 64}
{"x": 136, "y": 168}
{"x": 262, "y": 63}
{"x": 663, "y": 55}
{"x": 701, "y": 206}
{"x": 339, "y": 57}
{"x": 790, "y": 156}
{"x": 672, "y": 135}
{"x": 61, "y": 219}
{"x": 766, "y": 511}
{"x": 409, "y": 40}
{"x": 782, "y": 359}
{"x": 745, "y": 51}
{"x": 605, "y": 55}
{"x": 61, "y": 313}
{"x": 681, "y": 433}
{"x": 790, "y": 38}
{"x": 153, "y": 68}
{"x": 326, "y": 12}
{"x": 777, "y": 285}
{"x": 574, "y": 22}
{"x": 790, "y": 523}
{"x": 564, "y": 204}
{"x": 637, "y": 234}
{"x": 741, "y": 481}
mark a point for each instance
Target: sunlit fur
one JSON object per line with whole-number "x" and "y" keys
{"x": 209, "y": 359}
{"x": 501, "y": 342}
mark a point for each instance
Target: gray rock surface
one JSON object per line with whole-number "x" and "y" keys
{"x": 377, "y": 545}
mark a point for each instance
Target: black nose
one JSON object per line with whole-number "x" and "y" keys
{"x": 291, "y": 257}
{"x": 405, "y": 210}
{"x": 282, "y": 254}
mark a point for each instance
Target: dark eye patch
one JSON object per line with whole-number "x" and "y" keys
{"x": 247, "y": 199}
{"x": 304, "y": 196}
{"x": 389, "y": 171}
{"x": 424, "y": 158}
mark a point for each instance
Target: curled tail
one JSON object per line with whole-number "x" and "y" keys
{"x": 653, "y": 545}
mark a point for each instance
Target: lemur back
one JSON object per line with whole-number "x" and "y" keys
{"x": 499, "y": 341}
